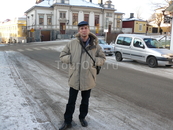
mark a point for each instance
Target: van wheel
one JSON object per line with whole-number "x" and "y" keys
{"x": 118, "y": 56}
{"x": 152, "y": 62}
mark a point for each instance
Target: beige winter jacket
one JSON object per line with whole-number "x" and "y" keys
{"x": 82, "y": 72}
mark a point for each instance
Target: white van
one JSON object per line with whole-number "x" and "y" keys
{"x": 142, "y": 48}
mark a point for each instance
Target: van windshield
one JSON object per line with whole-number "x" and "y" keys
{"x": 152, "y": 43}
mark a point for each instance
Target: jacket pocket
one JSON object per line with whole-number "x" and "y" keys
{"x": 93, "y": 72}
{"x": 71, "y": 71}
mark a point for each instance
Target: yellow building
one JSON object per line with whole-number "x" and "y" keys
{"x": 137, "y": 26}
{"x": 13, "y": 31}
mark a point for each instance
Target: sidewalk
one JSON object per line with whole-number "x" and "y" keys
{"x": 15, "y": 113}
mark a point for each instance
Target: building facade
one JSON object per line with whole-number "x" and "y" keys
{"x": 57, "y": 19}
{"x": 134, "y": 25}
{"x": 13, "y": 31}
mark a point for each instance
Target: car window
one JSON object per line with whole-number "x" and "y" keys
{"x": 127, "y": 41}
{"x": 120, "y": 40}
{"x": 102, "y": 42}
{"x": 138, "y": 43}
{"x": 124, "y": 41}
{"x": 152, "y": 43}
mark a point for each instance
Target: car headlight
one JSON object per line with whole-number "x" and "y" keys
{"x": 166, "y": 56}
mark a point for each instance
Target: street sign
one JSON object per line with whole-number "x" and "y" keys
{"x": 32, "y": 30}
{"x": 167, "y": 19}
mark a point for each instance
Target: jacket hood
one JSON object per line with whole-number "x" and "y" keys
{"x": 91, "y": 35}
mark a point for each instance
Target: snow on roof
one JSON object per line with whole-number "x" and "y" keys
{"x": 117, "y": 12}
{"x": 45, "y": 3}
{"x": 84, "y": 3}
{"x": 133, "y": 19}
{"x": 48, "y": 3}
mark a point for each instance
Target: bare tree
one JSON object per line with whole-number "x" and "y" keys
{"x": 165, "y": 3}
{"x": 152, "y": 17}
{"x": 158, "y": 17}
{"x": 138, "y": 12}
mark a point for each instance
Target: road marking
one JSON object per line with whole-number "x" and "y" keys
{"x": 20, "y": 50}
{"x": 37, "y": 48}
{"x": 29, "y": 49}
{"x": 9, "y": 50}
{"x": 44, "y": 47}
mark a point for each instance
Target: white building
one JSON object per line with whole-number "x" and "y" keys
{"x": 56, "y": 19}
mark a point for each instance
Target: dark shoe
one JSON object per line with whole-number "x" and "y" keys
{"x": 65, "y": 126}
{"x": 83, "y": 122}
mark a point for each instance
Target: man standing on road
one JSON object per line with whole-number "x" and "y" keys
{"x": 82, "y": 71}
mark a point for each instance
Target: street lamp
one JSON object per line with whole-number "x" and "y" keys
{"x": 67, "y": 22}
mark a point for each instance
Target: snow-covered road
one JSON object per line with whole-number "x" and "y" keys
{"x": 33, "y": 97}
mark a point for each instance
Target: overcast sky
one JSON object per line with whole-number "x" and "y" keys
{"x": 13, "y": 8}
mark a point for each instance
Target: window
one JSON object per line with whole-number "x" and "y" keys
{"x": 96, "y": 20}
{"x": 75, "y": 18}
{"x": 41, "y": 19}
{"x": 63, "y": 15}
{"x": 124, "y": 41}
{"x": 86, "y": 17}
{"x": 140, "y": 27}
{"x": 119, "y": 16}
{"x": 108, "y": 14}
{"x": 49, "y": 20}
{"x": 62, "y": 1}
{"x": 138, "y": 43}
{"x": 118, "y": 23}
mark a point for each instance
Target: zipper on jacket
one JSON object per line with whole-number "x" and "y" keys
{"x": 80, "y": 65}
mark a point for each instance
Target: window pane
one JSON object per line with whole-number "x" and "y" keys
{"x": 118, "y": 23}
{"x": 62, "y": 15}
{"x": 140, "y": 27}
{"x": 86, "y": 17}
{"x": 96, "y": 20}
{"x": 49, "y": 20}
{"x": 75, "y": 18}
{"x": 41, "y": 19}
{"x": 127, "y": 41}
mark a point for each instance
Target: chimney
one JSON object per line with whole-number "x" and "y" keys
{"x": 131, "y": 15}
{"x": 91, "y": 1}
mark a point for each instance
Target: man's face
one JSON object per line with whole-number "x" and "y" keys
{"x": 84, "y": 31}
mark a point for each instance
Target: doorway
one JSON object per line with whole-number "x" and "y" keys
{"x": 62, "y": 28}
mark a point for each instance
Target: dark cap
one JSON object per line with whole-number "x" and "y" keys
{"x": 82, "y": 23}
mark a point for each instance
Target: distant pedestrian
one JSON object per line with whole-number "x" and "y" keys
{"x": 41, "y": 37}
{"x": 161, "y": 31}
{"x": 82, "y": 71}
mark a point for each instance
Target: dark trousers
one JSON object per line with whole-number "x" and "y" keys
{"x": 70, "y": 107}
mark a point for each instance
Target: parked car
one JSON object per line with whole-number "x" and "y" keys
{"x": 107, "y": 49}
{"x": 142, "y": 48}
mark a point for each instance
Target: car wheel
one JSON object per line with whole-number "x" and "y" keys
{"x": 118, "y": 56}
{"x": 152, "y": 62}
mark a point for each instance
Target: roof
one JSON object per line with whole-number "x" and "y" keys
{"x": 119, "y": 12}
{"x": 80, "y": 3}
{"x": 170, "y": 8}
{"x": 45, "y": 3}
{"x": 83, "y": 3}
{"x": 133, "y": 19}
{"x": 48, "y": 3}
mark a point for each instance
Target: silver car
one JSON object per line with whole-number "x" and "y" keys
{"x": 142, "y": 48}
{"x": 107, "y": 49}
